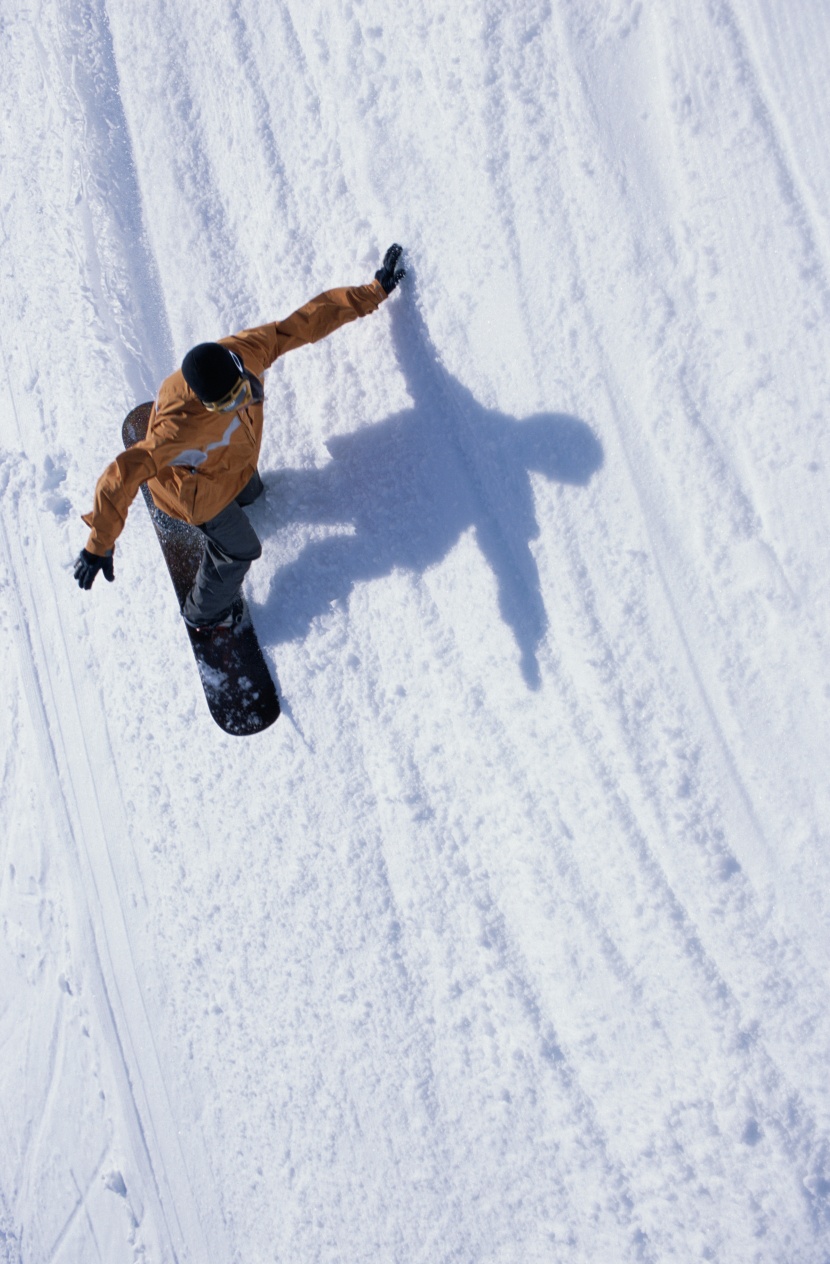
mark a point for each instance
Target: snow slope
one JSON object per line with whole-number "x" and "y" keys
{"x": 510, "y": 942}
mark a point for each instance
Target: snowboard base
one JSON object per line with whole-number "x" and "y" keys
{"x": 239, "y": 690}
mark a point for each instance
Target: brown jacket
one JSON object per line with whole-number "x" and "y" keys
{"x": 196, "y": 462}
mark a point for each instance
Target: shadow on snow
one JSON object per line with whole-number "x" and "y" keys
{"x": 412, "y": 484}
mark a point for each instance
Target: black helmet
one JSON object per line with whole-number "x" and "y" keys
{"x": 211, "y": 371}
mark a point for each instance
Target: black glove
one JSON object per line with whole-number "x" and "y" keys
{"x": 87, "y": 566}
{"x": 386, "y": 274}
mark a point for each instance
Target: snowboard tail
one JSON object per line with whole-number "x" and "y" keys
{"x": 239, "y": 690}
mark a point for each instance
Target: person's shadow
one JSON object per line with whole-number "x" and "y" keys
{"x": 407, "y": 488}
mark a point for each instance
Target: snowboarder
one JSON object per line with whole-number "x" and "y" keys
{"x": 199, "y": 458}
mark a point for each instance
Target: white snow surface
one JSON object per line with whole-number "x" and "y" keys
{"x": 510, "y": 942}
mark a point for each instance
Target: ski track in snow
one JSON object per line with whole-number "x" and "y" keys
{"x": 510, "y": 940}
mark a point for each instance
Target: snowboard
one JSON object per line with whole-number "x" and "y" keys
{"x": 238, "y": 687}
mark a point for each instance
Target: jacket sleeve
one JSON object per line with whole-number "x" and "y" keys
{"x": 116, "y": 489}
{"x": 311, "y": 322}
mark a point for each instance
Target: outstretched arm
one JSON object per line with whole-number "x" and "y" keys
{"x": 324, "y": 314}
{"x": 116, "y": 489}
{"x": 114, "y": 493}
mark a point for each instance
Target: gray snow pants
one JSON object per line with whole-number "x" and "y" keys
{"x": 231, "y": 544}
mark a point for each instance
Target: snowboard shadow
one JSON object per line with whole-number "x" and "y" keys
{"x": 407, "y": 488}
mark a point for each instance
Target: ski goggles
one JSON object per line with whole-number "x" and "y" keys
{"x": 237, "y": 397}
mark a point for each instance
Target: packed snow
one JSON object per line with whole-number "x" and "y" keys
{"x": 510, "y": 942}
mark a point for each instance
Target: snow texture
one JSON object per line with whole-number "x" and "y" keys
{"x": 510, "y": 942}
